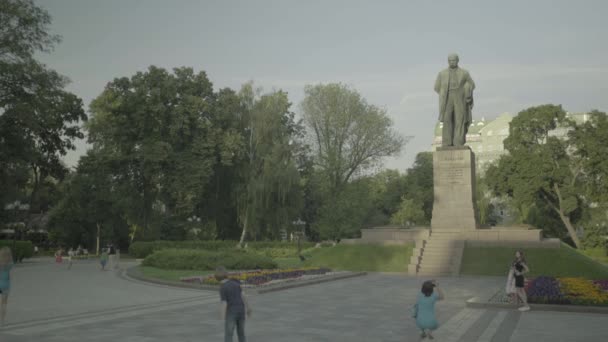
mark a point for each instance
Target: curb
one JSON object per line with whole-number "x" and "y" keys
{"x": 476, "y": 302}
{"x": 309, "y": 282}
{"x": 135, "y": 273}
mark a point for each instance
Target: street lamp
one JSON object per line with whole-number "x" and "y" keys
{"x": 299, "y": 234}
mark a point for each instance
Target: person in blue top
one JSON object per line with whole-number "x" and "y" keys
{"x": 425, "y": 308}
{"x": 6, "y": 263}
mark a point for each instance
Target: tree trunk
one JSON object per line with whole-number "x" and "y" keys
{"x": 244, "y": 228}
{"x": 570, "y": 228}
{"x": 98, "y": 230}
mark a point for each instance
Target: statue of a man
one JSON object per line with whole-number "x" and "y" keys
{"x": 455, "y": 88}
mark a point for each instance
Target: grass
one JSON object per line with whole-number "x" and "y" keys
{"x": 597, "y": 254}
{"x": 370, "y": 258}
{"x": 557, "y": 262}
{"x": 172, "y": 275}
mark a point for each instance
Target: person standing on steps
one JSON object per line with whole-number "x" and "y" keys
{"x": 426, "y": 320}
{"x": 519, "y": 268}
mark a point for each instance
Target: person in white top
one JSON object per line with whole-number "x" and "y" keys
{"x": 70, "y": 257}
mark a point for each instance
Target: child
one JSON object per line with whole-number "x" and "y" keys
{"x": 103, "y": 259}
{"x": 6, "y": 263}
{"x": 425, "y": 308}
{"x": 234, "y": 306}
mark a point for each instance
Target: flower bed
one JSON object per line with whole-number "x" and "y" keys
{"x": 576, "y": 291}
{"x": 261, "y": 277}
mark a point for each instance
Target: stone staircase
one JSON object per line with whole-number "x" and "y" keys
{"x": 439, "y": 255}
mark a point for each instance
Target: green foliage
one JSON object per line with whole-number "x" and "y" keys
{"x": 590, "y": 141}
{"x": 370, "y": 258}
{"x": 269, "y": 196}
{"x": 350, "y": 136}
{"x": 23, "y": 249}
{"x": 343, "y": 214}
{"x": 188, "y": 259}
{"x": 39, "y": 120}
{"x": 539, "y": 167}
{"x": 410, "y": 213}
{"x": 557, "y": 262}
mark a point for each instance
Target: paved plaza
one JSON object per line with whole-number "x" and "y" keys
{"x": 50, "y": 303}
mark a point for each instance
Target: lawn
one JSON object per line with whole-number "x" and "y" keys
{"x": 597, "y": 254}
{"x": 557, "y": 262}
{"x": 370, "y": 258}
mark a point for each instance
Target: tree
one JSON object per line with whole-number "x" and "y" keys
{"x": 39, "y": 121}
{"x": 156, "y": 131}
{"x": 539, "y": 166}
{"x": 89, "y": 210}
{"x": 410, "y": 213}
{"x": 270, "y": 196}
{"x": 419, "y": 183}
{"x": 349, "y": 135}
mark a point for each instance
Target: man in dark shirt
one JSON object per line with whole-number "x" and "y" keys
{"x": 234, "y": 305}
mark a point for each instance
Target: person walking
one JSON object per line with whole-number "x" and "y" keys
{"x": 6, "y": 264}
{"x": 234, "y": 306}
{"x": 424, "y": 311}
{"x": 58, "y": 256}
{"x": 111, "y": 255}
{"x": 71, "y": 255}
{"x": 103, "y": 259}
{"x": 519, "y": 268}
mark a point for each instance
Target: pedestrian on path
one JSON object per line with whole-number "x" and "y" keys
{"x": 424, "y": 310}
{"x": 6, "y": 264}
{"x": 71, "y": 255}
{"x": 234, "y": 306}
{"x": 519, "y": 268}
{"x": 112, "y": 256}
{"x": 58, "y": 256}
{"x": 103, "y": 259}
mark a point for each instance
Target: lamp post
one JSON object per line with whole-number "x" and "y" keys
{"x": 299, "y": 234}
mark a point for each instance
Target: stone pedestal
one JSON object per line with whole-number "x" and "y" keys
{"x": 454, "y": 206}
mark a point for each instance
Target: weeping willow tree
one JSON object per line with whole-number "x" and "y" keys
{"x": 269, "y": 197}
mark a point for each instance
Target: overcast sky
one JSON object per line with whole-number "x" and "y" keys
{"x": 519, "y": 53}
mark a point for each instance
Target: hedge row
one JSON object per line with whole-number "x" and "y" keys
{"x": 23, "y": 249}
{"x": 192, "y": 259}
{"x": 143, "y": 249}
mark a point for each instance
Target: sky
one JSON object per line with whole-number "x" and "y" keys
{"x": 519, "y": 53}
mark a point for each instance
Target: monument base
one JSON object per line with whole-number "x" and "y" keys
{"x": 454, "y": 206}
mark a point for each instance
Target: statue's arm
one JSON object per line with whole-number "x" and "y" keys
{"x": 470, "y": 80}
{"x": 438, "y": 83}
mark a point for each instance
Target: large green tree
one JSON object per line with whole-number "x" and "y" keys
{"x": 539, "y": 166}
{"x": 39, "y": 120}
{"x": 348, "y": 135}
{"x": 157, "y": 129}
{"x": 270, "y": 196}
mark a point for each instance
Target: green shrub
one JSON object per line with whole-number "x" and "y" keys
{"x": 276, "y": 252}
{"x": 194, "y": 259}
{"x": 142, "y": 249}
{"x": 23, "y": 249}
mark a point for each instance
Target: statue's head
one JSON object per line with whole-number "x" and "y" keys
{"x": 453, "y": 60}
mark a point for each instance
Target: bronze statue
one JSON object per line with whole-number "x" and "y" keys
{"x": 455, "y": 88}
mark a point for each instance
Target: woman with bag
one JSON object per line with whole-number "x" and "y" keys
{"x": 424, "y": 309}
